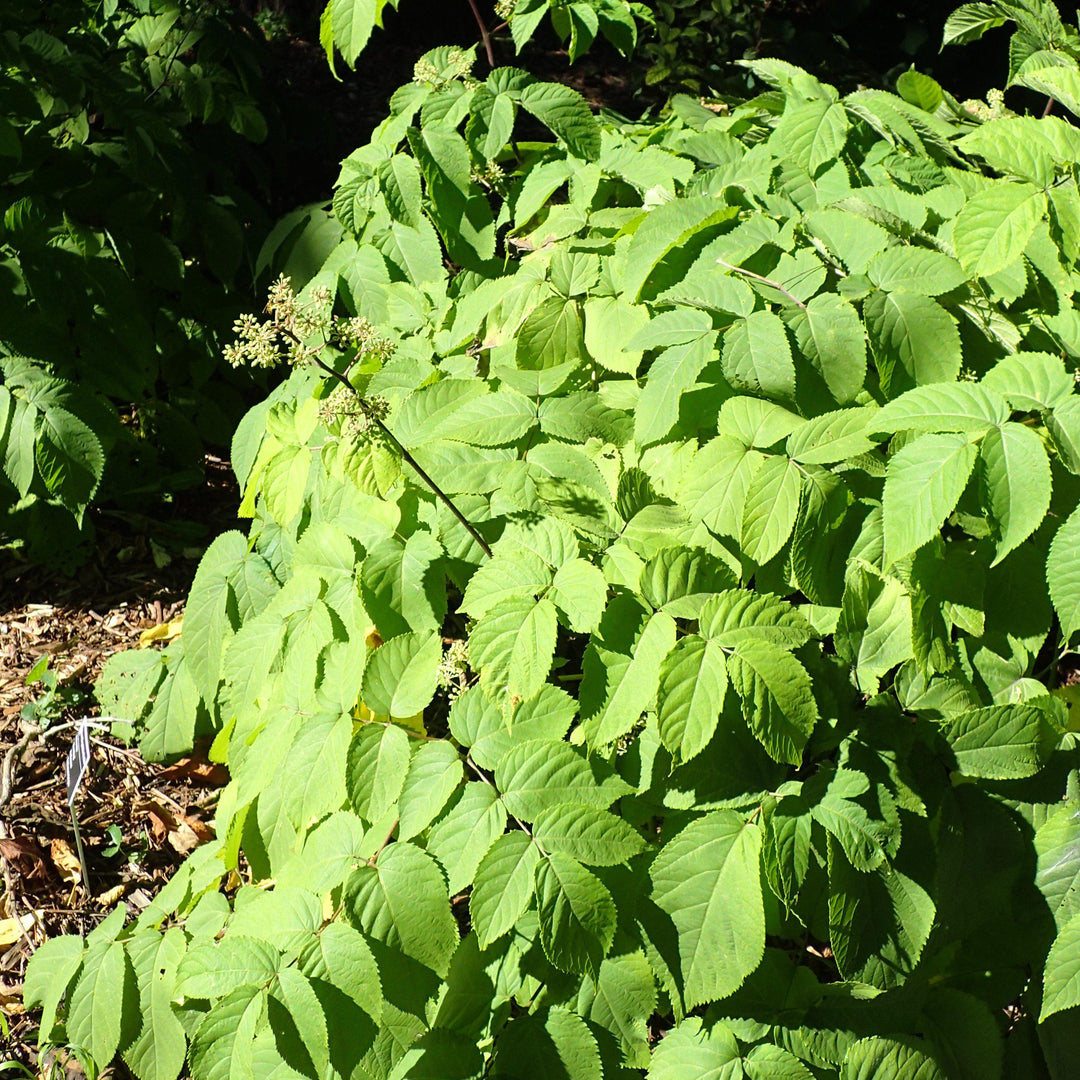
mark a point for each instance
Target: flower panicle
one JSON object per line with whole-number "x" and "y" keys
{"x": 286, "y": 337}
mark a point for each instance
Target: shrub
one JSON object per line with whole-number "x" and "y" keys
{"x": 124, "y": 154}
{"x": 644, "y": 652}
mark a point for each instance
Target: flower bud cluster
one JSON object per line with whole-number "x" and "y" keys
{"x": 991, "y": 109}
{"x": 256, "y": 343}
{"x": 453, "y": 669}
{"x": 459, "y": 65}
{"x": 490, "y": 174}
{"x": 357, "y": 332}
{"x": 504, "y": 9}
{"x": 357, "y": 416}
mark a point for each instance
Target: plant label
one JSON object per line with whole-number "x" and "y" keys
{"x": 77, "y": 760}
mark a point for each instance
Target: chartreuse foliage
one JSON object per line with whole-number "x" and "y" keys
{"x": 721, "y": 475}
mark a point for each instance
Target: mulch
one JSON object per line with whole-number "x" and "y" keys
{"x": 137, "y": 820}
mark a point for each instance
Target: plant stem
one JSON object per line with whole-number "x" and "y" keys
{"x": 764, "y": 281}
{"x": 485, "y": 37}
{"x": 405, "y": 455}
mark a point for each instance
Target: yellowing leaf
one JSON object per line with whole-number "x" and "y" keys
{"x": 163, "y": 632}
{"x": 12, "y": 930}
{"x": 363, "y": 715}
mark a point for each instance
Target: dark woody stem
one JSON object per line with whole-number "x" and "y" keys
{"x": 484, "y": 35}
{"x": 405, "y": 455}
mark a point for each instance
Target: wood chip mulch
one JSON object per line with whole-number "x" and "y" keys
{"x": 137, "y": 820}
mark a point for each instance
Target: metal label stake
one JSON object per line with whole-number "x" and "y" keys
{"x": 74, "y": 769}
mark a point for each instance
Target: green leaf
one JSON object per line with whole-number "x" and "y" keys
{"x": 995, "y": 225}
{"x": 461, "y": 213}
{"x": 103, "y": 1003}
{"x": 512, "y": 647}
{"x": 916, "y": 333}
{"x": 878, "y": 1056}
{"x": 739, "y": 615}
{"x": 693, "y": 683}
{"x": 866, "y": 839}
{"x": 942, "y": 407}
{"x": 52, "y": 966}
{"x": 770, "y": 509}
{"x": 402, "y": 675}
{"x": 757, "y": 422}
{"x": 714, "y": 489}
{"x": 1059, "y": 82}
{"x": 214, "y": 969}
{"x": 920, "y": 90}
{"x": 874, "y": 630}
{"x": 434, "y": 775}
{"x": 402, "y": 901}
{"x": 1057, "y": 844}
{"x": 969, "y": 22}
{"x": 1061, "y": 978}
{"x": 487, "y": 420}
{"x": 914, "y": 269}
{"x": 341, "y": 956}
{"x": 206, "y": 618}
{"x": 1016, "y": 473}
{"x": 1063, "y": 424}
{"x": 551, "y": 335}
{"x": 831, "y": 437}
{"x": 158, "y": 1052}
{"x": 666, "y": 227}
{"x": 439, "y": 1054}
{"x": 831, "y": 336}
{"x": 622, "y": 999}
{"x": 69, "y": 457}
{"x": 400, "y": 180}
{"x": 1031, "y": 381}
{"x": 1001, "y": 742}
{"x": 541, "y": 773}
{"x": 757, "y": 357}
{"x": 462, "y": 838}
{"x": 306, "y": 1013}
{"x": 621, "y": 668}
{"x": 922, "y": 487}
{"x": 351, "y": 23}
{"x": 567, "y": 113}
{"x": 610, "y": 323}
{"x": 812, "y": 133}
{"x": 503, "y": 886}
{"x": 283, "y": 482}
{"x": 671, "y": 375}
{"x": 222, "y": 1046}
{"x": 554, "y": 1041}
{"x": 777, "y": 698}
{"x": 693, "y": 1051}
{"x": 1063, "y": 574}
{"x": 378, "y": 761}
{"x": 708, "y": 882}
{"x": 508, "y": 575}
{"x": 317, "y": 756}
{"x": 681, "y": 580}
{"x": 879, "y": 922}
{"x": 591, "y": 836}
{"x": 577, "y": 914}
{"x": 330, "y": 851}
{"x": 579, "y": 593}
{"x": 401, "y": 585}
